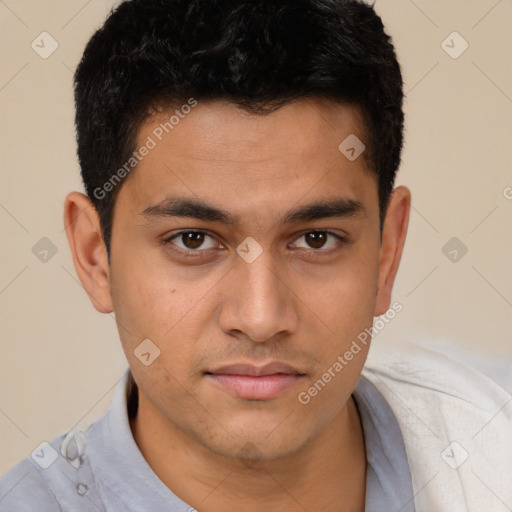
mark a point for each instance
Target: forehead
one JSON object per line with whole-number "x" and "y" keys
{"x": 221, "y": 127}
{"x": 218, "y": 151}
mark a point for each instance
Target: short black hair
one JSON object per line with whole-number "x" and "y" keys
{"x": 258, "y": 54}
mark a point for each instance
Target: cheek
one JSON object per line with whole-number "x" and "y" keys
{"x": 157, "y": 303}
{"x": 137, "y": 301}
{"x": 346, "y": 306}
{"x": 345, "y": 299}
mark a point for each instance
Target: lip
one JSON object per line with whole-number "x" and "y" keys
{"x": 252, "y": 382}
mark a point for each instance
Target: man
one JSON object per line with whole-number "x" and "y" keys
{"x": 239, "y": 160}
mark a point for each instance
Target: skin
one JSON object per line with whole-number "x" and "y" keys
{"x": 299, "y": 302}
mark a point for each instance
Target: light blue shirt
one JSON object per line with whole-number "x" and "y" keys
{"x": 102, "y": 469}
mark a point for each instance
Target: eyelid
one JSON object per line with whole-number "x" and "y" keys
{"x": 341, "y": 239}
{"x": 191, "y": 252}
{"x": 168, "y": 240}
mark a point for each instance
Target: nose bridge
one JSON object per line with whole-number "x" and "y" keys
{"x": 261, "y": 280}
{"x": 258, "y": 303}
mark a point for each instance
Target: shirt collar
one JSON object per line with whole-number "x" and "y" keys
{"x": 119, "y": 465}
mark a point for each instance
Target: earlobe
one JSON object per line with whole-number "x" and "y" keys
{"x": 393, "y": 241}
{"x": 83, "y": 231}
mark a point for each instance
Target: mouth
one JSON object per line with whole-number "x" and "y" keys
{"x": 252, "y": 382}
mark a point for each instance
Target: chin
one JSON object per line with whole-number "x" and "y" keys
{"x": 254, "y": 445}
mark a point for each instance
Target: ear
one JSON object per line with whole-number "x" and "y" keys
{"x": 82, "y": 226}
{"x": 393, "y": 240}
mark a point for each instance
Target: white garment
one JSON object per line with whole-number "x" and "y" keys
{"x": 456, "y": 425}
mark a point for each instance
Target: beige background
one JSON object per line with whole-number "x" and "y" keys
{"x": 60, "y": 359}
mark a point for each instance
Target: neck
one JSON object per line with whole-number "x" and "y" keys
{"x": 329, "y": 471}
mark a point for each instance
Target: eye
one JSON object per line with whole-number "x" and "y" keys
{"x": 319, "y": 240}
{"x": 191, "y": 241}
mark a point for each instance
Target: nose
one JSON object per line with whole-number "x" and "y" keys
{"x": 257, "y": 301}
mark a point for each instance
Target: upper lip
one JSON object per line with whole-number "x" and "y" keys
{"x": 271, "y": 368}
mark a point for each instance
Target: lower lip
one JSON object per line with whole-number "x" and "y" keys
{"x": 265, "y": 387}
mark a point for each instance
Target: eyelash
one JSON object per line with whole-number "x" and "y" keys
{"x": 200, "y": 252}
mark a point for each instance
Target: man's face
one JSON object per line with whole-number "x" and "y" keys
{"x": 260, "y": 289}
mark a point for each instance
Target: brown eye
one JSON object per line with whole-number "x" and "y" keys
{"x": 316, "y": 239}
{"x": 319, "y": 240}
{"x": 191, "y": 241}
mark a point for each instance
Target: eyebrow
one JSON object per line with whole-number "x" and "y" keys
{"x": 197, "y": 209}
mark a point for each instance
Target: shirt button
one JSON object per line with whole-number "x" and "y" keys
{"x": 72, "y": 450}
{"x": 81, "y": 489}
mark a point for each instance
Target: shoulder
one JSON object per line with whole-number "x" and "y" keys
{"x": 456, "y": 424}
{"x": 426, "y": 372}
{"x": 24, "y": 488}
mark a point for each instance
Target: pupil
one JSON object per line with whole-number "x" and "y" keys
{"x": 193, "y": 240}
{"x": 316, "y": 239}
